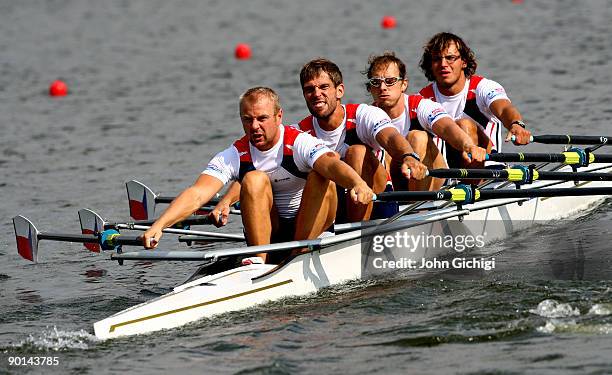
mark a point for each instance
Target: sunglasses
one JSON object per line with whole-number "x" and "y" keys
{"x": 449, "y": 58}
{"x": 389, "y": 81}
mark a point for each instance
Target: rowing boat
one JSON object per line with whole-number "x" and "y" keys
{"x": 492, "y": 212}
{"x": 343, "y": 257}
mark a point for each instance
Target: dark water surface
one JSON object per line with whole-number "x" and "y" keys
{"x": 153, "y": 95}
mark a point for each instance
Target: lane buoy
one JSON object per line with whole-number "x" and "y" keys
{"x": 388, "y": 22}
{"x": 58, "y": 88}
{"x": 243, "y": 51}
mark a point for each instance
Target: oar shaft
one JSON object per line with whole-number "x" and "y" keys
{"x": 565, "y": 157}
{"x": 571, "y": 139}
{"x": 191, "y": 220}
{"x": 527, "y": 157}
{"x": 69, "y": 237}
{"x": 461, "y": 195}
{"x": 194, "y": 232}
{"x": 402, "y": 196}
{"x": 88, "y": 238}
{"x": 468, "y": 173}
{"x": 514, "y": 174}
{"x": 574, "y": 176}
{"x": 169, "y": 199}
{"x": 549, "y": 192}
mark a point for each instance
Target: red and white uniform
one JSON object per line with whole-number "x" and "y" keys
{"x": 360, "y": 125}
{"x": 419, "y": 114}
{"x": 287, "y": 164}
{"x": 472, "y": 102}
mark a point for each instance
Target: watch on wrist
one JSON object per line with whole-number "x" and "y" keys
{"x": 413, "y": 155}
{"x": 519, "y": 123}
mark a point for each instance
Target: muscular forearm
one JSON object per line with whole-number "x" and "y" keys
{"x": 332, "y": 168}
{"x": 184, "y": 205}
{"x": 448, "y": 130}
{"x": 189, "y": 201}
{"x": 506, "y": 112}
{"x": 232, "y": 195}
{"x": 393, "y": 142}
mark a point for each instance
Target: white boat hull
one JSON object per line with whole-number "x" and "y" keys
{"x": 251, "y": 285}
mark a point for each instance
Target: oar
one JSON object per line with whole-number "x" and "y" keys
{"x": 558, "y": 139}
{"x": 319, "y": 243}
{"x": 568, "y": 157}
{"x": 467, "y": 194}
{"x": 143, "y": 200}
{"x": 519, "y": 174}
{"x": 27, "y": 237}
{"x": 92, "y": 223}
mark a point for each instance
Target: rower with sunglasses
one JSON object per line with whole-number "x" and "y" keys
{"x": 358, "y": 132}
{"x": 480, "y": 106}
{"x": 418, "y": 119}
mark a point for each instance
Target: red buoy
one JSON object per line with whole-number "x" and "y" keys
{"x": 243, "y": 51}
{"x": 388, "y": 22}
{"x": 58, "y": 88}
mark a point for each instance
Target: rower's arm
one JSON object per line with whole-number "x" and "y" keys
{"x": 220, "y": 213}
{"x": 398, "y": 147}
{"x": 504, "y": 110}
{"x": 186, "y": 203}
{"x": 331, "y": 167}
{"x": 448, "y": 130}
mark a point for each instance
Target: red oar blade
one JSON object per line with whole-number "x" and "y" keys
{"x": 27, "y": 238}
{"x": 91, "y": 223}
{"x": 142, "y": 200}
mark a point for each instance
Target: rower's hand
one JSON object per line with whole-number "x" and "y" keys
{"x": 361, "y": 193}
{"x": 521, "y": 135}
{"x": 413, "y": 168}
{"x": 151, "y": 238}
{"x": 219, "y": 215}
{"x": 477, "y": 154}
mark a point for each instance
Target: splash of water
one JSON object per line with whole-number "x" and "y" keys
{"x": 56, "y": 340}
{"x": 550, "y": 308}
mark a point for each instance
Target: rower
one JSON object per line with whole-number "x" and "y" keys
{"x": 362, "y": 134}
{"x": 287, "y": 179}
{"x": 479, "y": 105}
{"x": 416, "y": 118}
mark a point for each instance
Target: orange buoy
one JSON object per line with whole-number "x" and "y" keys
{"x": 243, "y": 51}
{"x": 58, "y": 88}
{"x": 388, "y": 22}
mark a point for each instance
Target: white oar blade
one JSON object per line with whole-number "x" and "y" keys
{"x": 27, "y": 238}
{"x": 91, "y": 223}
{"x": 142, "y": 200}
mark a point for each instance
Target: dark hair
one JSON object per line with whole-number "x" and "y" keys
{"x": 381, "y": 61}
{"x": 437, "y": 44}
{"x": 314, "y": 68}
{"x": 256, "y": 92}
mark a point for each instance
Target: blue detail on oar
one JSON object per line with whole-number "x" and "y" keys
{"x": 527, "y": 174}
{"x": 583, "y": 156}
{"x": 107, "y": 240}
{"x": 470, "y": 193}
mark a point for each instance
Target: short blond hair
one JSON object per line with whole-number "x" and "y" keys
{"x": 256, "y": 92}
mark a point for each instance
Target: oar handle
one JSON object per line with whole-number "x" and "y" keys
{"x": 558, "y": 139}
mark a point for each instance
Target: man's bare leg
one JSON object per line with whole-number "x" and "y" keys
{"x": 317, "y": 208}
{"x": 427, "y": 150}
{"x": 363, "y": 161}
{"x": 256, "y": 202}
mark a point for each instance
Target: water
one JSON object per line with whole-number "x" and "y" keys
{"x": 153, "y": 95}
